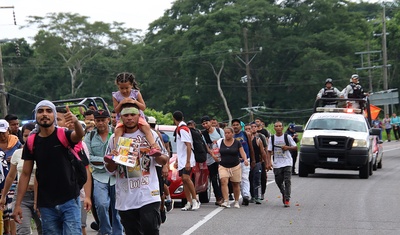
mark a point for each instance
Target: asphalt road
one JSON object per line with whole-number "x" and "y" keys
{"x": 328, "y": 202}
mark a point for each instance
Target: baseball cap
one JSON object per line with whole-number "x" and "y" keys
{"x": 292, "y": 126}
{"x": 3, "y": 126}
{"x": 354, "y": 76}
{"x": 236, "y": 120}
{"x": 205, "y": 119}
{"x": 152, "y": 120}
{"x": 101, "y": 114}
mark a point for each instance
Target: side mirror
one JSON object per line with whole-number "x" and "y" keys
{"x": 374, "y": 131}
{"x": 298, "y": 128}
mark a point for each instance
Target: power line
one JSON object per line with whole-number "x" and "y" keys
{"x": 14, "y": 88}
{"x": 28, "y": 101}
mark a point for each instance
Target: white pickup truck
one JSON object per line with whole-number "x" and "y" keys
{"x": 337, "y": 138}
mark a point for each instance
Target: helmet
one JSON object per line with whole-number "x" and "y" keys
{"x": 354, "y": 76}
{"x": 329, "y": 80}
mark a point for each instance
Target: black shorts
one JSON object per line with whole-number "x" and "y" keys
{"x": 160, "y": 179}
{"x": 184, "y": 171}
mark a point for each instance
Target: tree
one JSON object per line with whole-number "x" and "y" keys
{"x": 76, "y": 41}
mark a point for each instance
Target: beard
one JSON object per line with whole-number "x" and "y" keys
{"x": 131, "y": 127}
{"x": 46, "y": 124}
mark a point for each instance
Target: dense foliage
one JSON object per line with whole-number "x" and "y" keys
{"x": 292, "y": 47}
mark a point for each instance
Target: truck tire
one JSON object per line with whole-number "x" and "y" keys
{"x": 380, "y": 164}
{"x": 364, "y": 171}
{"x": 303, "y": 169}
{"x": 375, "y": 166}
{"x": 204, "y": 197}
{"x": 371, "y": 165}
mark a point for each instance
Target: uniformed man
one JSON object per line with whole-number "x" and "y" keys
{"x": 329, "y": 92}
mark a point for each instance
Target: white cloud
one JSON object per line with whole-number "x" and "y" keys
{"x": 134, "y": 13}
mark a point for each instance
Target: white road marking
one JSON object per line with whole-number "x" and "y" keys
{"x": 387, "y": 150}
{"x": 208, "y": 217}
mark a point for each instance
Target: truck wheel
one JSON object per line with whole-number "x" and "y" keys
{"x": 375, "y": 166}
{"x": 380, "y": 164}
{"x": 371, "y": 165}
{"x": 364, "y": 171}
{"x": 303, "y": 171}
{"x": 204, "y": 197}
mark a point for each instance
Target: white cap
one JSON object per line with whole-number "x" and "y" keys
{"x": 152, "y": 120}
{"x": 3, "y": 126}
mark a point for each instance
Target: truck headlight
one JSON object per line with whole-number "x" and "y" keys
{"x": 307, "y": 141}
{"x": 359, "y": 143}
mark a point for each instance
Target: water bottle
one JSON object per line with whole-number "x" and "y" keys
{"x": 215, "y": 150}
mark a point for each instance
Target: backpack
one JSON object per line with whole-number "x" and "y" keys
{"x": 76, "y": 156}
{"x": 207, "y": 135}
{"x": 199, "y": 147}
{"x": 284, "y": 137}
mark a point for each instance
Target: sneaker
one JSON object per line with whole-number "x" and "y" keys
{"x": 154, "y": 152}
{"x": 262, "y": 197}
{"x": 226, "y": 204}
{"x": 94, "y": 226}
{"x": 251, "y": 200}
{"x": 257, "y": 201}
{"x": 231, "y": 197}
{"x": 287, "y": 203}
{"x": 294, "y": 173}
{"x": 236, "y": 205}
{"x": 219, "y": 201}
{"x": 195, "y": 204}
{"x": 163, "y": 215}
{"x": 187, "y": 207}
{"x": 169, "y": 204}
{"x": 245, "y": 201}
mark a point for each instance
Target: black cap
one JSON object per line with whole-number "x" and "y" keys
{"x": 190, "y": 122}
{"x": 205, "y": 119}
{"x": 236, "y": 120}
{"x": 101, "y": 114}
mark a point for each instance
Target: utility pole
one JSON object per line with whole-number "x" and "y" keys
{"x": 3, "y": 93}
{"x": 3, "y": 102}
{"x": 384, "y": 54}
{"x": 369, "y": 71}
{"x": 247, "y": 78}
{"x": 246, "y": 56}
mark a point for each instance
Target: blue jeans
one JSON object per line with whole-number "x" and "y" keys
{"x": 63, "y": 219}
{"x": 104, "y": 199}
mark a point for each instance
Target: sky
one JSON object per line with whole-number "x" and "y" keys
{"x": 134, "y": 13}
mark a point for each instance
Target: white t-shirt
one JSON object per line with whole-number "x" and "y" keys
{"x": 16, "y": 160}
{"x": 281, "y": 158}
{"x": 181, "y": 138}
{"x": 136, "y": 186}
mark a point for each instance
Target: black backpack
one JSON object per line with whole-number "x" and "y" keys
{"x": 199, "y": 147}
{"x": 285, "y": 137}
